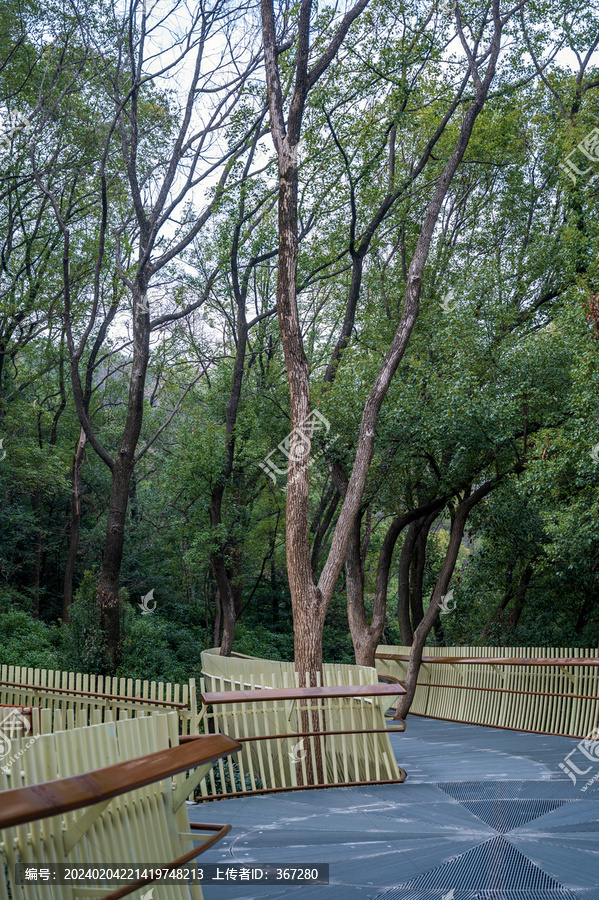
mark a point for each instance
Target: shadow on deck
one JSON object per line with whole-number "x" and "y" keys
{"x": 485, "y": 814}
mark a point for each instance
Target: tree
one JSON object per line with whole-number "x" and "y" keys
{"x": 166, "y": 152}
{"x": 228, "y": 584}
{"x": 310, "y": 600}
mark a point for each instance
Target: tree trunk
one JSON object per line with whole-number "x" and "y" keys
{"x": 133, "y": 511}
{"x": 274, "y": 593}
{"x": 508, "y": 594}
{"x": 420, "y": 635}
{"x": 439, "y": 633}
{"x": 122, "y": 470}
{"x": 310, "y": 602}
{"x": 521, "y": 596}
{"x": 37, "y": 554}
{"x": 403, "y": 585}
{"x": 365, "y": 637}
{"x": 147, "y": 220}
{"x": 218, "y": 618}
{"x": 112, "y": 557}
{"x": 321, "y": 524}
{"x": 69, "y": 572}
{"x": 309, "y": 605}
{"x": 417, "y": 570}
{"x": 230, "y": 595}
{"x": 589, "y": 601}
{"x": 226, "y": 610}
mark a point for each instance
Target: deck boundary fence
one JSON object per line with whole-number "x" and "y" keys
{"x": 551, "y": 691}
{"x": 276, "y": 746}
{"x": 286, "y": 745}
{"x": 75, "y": 699}
{"x": 116, "y": 798}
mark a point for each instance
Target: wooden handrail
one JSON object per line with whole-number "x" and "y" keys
{"x": 220, "y": 831}
{"x": 495, "y": 660}
{"x": 290, "y": 735}
{"x": 503, "y": 690}
{"x": 58, "y": 690}
{"x": 302, "y": 693}
{"x": 51, "y": 798}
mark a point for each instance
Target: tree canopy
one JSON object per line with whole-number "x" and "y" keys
{"x": 299, "y": 311}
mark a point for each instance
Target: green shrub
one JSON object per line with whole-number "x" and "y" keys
{"x": 25, "y": 641}
{"x": 83, "y": 641}
{"x": 240, "y": 784}
{"x": 260, "y": 641}
{"x": 145, "y": 652}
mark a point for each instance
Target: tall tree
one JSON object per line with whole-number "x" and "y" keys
{"x": 310, "y": 600}
{"x": 164, "y": 151}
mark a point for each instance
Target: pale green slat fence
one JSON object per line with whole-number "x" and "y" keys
{"x": 69, "y": 700}
{"x": 77, "y": 699}
{"x": 142, "y": 826}
{"x": 267, "y": 765}
{"x": 552, "y": 699}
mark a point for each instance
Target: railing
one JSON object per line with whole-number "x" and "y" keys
{"x": 347, "y": 737}
{"x": 18, "y": 721}
{"x": 71, "y": 699}
{"x": 149, "y": 825}
{"x": 546, "y": 691}
{"x": 336, "y": 735}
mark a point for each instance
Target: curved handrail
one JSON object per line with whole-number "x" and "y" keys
{"x": 42, "y": 688}
{"x": 51, "y": 798}
{"x": 502, "y": 660}
{"x": 220, "y": 832}
{"x": 350, "y": 692}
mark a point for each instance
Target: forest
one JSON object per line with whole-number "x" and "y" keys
{"x": 299, "y": 320}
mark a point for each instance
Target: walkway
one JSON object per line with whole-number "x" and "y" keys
{"x": 484, "y": 815}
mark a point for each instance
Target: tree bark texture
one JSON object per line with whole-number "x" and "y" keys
{"x": 122, "y": 469}
{"x": 403, "y": 585}
{"x": 367, "y": 636}
{"x": 69, "y": 572}
{"x": 417, "y": 571}
{"x": 310, "y": 601}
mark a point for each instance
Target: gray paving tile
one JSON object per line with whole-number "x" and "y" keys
{"x": 431, "y": 819}
{"x": 381, "y": 839}
{"x": 530, "y": 790}
{"x": 576, "y": 816}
